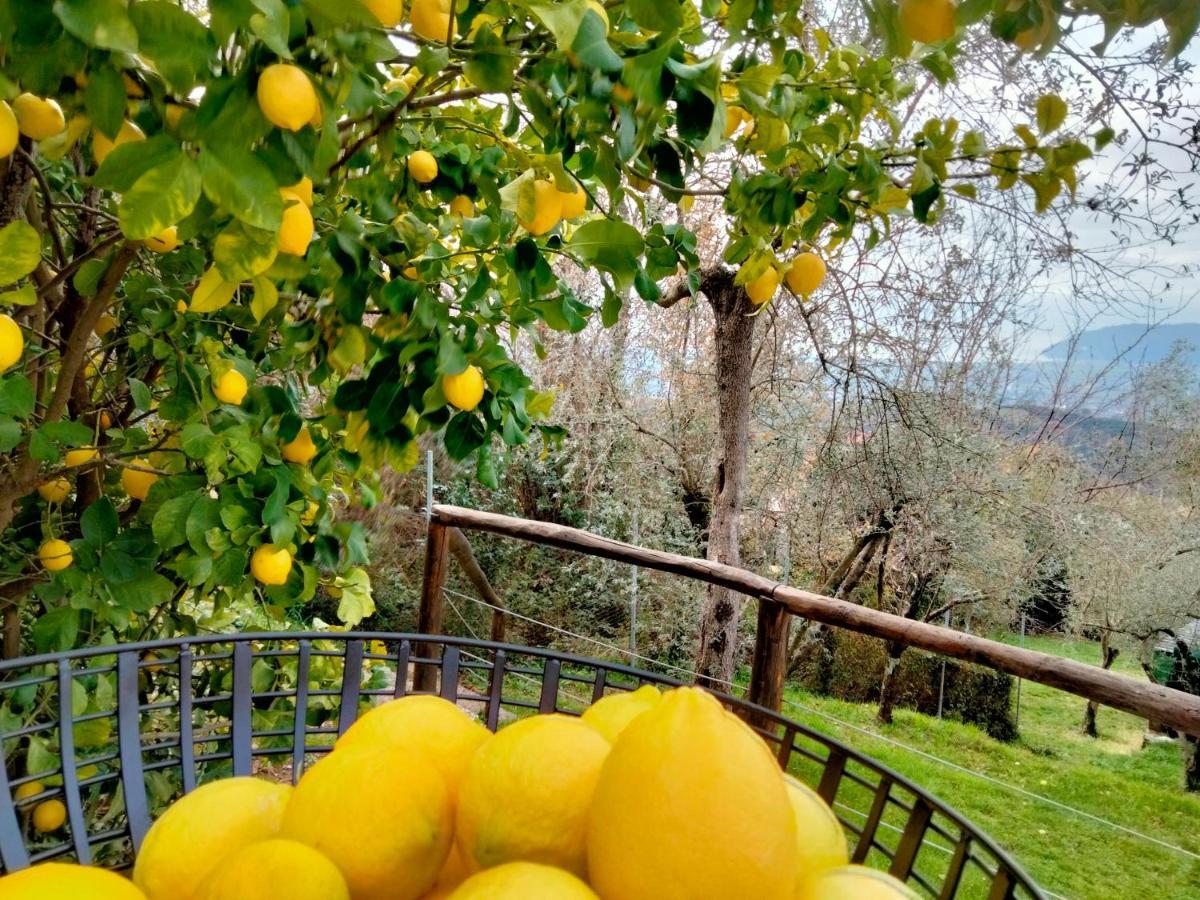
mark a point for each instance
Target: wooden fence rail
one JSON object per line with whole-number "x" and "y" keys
{"x": 1178, "y": 709}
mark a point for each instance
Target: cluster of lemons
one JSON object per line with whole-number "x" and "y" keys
{"x": 803, "y": 276}
{"x": 649, "y": 795}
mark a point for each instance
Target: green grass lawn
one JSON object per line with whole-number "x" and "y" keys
{"x": 1112, "y": 777}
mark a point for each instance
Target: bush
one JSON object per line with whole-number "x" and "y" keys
{"x": 974, "y": 695}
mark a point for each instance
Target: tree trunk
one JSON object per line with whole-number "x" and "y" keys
{"x": 733, "y": 328}
{"x": 887, "y": 687}
{"x": 1191, "y": 766}
{"x": 12, "y": 631}
{"x": 1109, "y": 654}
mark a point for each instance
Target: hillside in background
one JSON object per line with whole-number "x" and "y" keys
{"x": 1103, "y": 345}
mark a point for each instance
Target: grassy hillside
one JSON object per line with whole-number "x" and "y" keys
{"x": 1113, "y": 778}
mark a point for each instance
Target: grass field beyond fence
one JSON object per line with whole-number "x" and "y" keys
{"x": 1112, "y": 777}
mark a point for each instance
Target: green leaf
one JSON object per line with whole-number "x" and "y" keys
{"x": 25, "y": 295}
{"x": 129, "y": 162}
{"x": 492, "y": 62}
{"x": 10, "y": 434}
{"x": 16, "y": 396}
{"x": 170, "y": 521}
{"x": 99, "y": 23}
{"x": 99, "y": 522}
{"x": 611, "y": 246}
{"x": 356, "y": 602}
{"x": 143, "y": 592}
{"x": 174, "y": 40}
{"x": 485, "y": 469}
{"x": 140, "y": 394}
{"x": 105, "y": 100}
{"x": 238, "y": 181}
{"x": 591, "y": 44}
{"x": 265, "y": 298}
{"x": 1051, "y": 112}
{"x": 655, "y": 15}
{"x": 464, "y": 435}
{"x": 1103, "y": 138}
{"x": 241, "y": 252}
{"x": 451, "y": 358}
{"x": 164, "y": 196}
{"x": 20, "y": 251}
{"x": 270, "y": 24}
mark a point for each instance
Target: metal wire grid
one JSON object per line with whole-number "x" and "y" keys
{"x": 187, "y": 711}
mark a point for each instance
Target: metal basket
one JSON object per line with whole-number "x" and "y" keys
{"x": 141, "y": 724}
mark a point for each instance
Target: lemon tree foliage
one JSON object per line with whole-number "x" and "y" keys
{"x": 253, "y": 250}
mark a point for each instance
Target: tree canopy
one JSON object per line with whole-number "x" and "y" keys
{"x": 254, "y": 250}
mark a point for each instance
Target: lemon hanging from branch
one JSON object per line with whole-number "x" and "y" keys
{"x": 287, "y": 97}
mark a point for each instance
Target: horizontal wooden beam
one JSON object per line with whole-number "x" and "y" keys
{"x": 1178, "y": 709}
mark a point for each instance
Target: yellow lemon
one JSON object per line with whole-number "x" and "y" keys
{"x": 301, "y": 448}
{"x": 431, "y": 19}
{"x": 574, "y": 203}
{"x": 462, "y": 206}
{"x": 102, "y": 144}
{"x": 735, "y": 118}
{"x": 56, "y": 490}
{"x": 165, "y": 241}
{"x": 411, "y": 273}
{"x": 382, "y": 815}
{"x": 927, "y": 21}
{"x": 38, "y": 118}
{"x": 521, "y": 801}
{"x": 465, "y": 389}
{"x": 10, "y": 131}
{"x": 547, "y": 208}
{"x": 761, "y": 289}
{"x": 302, "y": 189}
{"x": 820, "y": 841}
{"x": 678, "y": 775}
{"x": 271, "y": 565}
{"x": 311, "y": 508}
{"x": 286, "y": 96}
{"x": 431, "y": 725}
{"x": 49, "y": 816}
{"x": 277, "y": 869}
{"x": 296, "y": 230}
{"x": 202, "y": 828}
{"x": 422, "y": 166}
{"x": 610, "y": 715}
{"x": 67, "y": 881}
{"x": 454, "y": 872}
{"x": 104, "y": 325}
{"x": 133, "y": 90}
{"x": 523, "y": 881}
{"x": 27, "y": 790}
{"x": 855, "y": 883}
{"x": 12, "y": 342}
{"x": 805, "y": 274}
{"x": 136, "y": 482}
{"x": 231, "y": 388}
{"x": 388, "y": 12}
{"x": 174, "y": 113}
{"x": 686, "y": 203}
{"x": 80, "y": 456}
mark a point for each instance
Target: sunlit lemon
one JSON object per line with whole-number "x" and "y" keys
{"x": 422, "y": 166}
{"x": 547, "y": 208}
{"x": 286, "y": 96}
{"x": 136, "y": 481}
{"x": 102, "y": 144}
{"x": 301, "y": 448}
{"x": 38, "y": 117}
{"x": 465, "y": 389}
{"x": 271, "y": 565}
{"x": 55, "y": 555}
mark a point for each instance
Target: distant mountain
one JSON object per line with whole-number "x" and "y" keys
{"x": 1102, "y": 345}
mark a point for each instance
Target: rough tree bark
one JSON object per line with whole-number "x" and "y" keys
{"x": 733, "y": 328}
{"x": 1108, "y": 657}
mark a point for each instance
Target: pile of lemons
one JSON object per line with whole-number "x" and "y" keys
{"x": 647, "y": 796}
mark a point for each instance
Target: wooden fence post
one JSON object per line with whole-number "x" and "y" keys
{"x": 429, "y": 614}
{"x": 770, "y": 655}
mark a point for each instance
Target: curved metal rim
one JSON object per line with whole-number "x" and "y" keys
{"x": 978, "y": 835}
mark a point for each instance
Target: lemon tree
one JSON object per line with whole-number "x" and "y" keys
{"x": 253, "y": 250}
